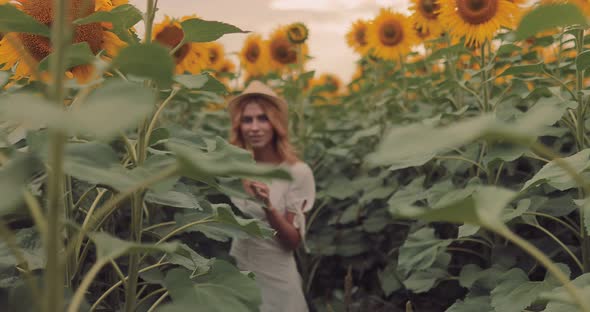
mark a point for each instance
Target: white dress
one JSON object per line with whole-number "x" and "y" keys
{"x": 274, "y": 266}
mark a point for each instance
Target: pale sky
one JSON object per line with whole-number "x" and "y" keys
{"x": 328, "y": 21}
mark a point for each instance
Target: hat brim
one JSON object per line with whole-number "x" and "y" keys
{"x": 280, "y": 103}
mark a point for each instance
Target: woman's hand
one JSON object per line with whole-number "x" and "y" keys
{"x": 262, "y": 192}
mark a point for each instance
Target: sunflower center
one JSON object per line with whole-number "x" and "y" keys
{"x": 430, "y": 8}
{"x": 281, "y": 51}
{"x": 40, "y": 47}
{"x": 213, "y": 56}
{"x": 253, "y": 53}
{"x": 171, "y": 36}
{"x": 477, "y": 11}
{"x": 391, "y": 33}
{"x": 361, "y": 36}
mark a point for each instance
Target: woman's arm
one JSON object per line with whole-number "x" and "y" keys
{"x": 283, "y": 223}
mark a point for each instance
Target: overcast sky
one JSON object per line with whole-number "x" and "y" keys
{"x": 328, "y": 21}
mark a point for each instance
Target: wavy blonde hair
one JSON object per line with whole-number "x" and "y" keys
{"x": 278, "y": 121}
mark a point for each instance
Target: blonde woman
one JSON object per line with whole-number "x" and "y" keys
{"x": 260, "y": 124}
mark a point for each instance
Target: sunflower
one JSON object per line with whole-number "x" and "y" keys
{"x": 23, "y": 51}
{"x": 326, "y": 80}
{"x": 425, "y": 17}
{"x": 297, "y": 33}
{"x": 282, "y": 51}
{"x": 225, "y": 71}
{"x": 190, "y": 57}
{"x": 476, "y": 20}
{"x": 390, "y": 35}
{"x": 254, "y": 56}
{"x": 216, "y": 55}
{"x": 357, "y": 37}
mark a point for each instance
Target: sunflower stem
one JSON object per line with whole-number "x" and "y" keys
{"x": 150, "y": 14}
{"x": 484, "y": 78}
{"x": 54, "y": 270}
{"x": 300, "y": 102}
{"x": 581, "y": 144}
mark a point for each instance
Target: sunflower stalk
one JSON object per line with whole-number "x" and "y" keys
{"x": 54, "y": 270}
{"x": 137, "y": 198}
{"x": 484, "y": 78}
{"x": 452, "y": 59}
{"x": 300, "y": 102}
{"x": 581, "y": 144}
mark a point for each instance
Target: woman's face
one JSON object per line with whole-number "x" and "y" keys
{"x": 255, "y": 126}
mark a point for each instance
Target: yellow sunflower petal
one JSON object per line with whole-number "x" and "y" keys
{"x": 254, "y": 56}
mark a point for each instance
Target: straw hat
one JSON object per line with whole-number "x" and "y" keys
{"x": 258, "y": 88}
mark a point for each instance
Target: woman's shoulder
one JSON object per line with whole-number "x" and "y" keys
{"x": 300, "y": 169}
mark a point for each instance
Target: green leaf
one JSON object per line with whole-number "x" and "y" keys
{"x": 583, "y": 60}
{"x": 555, "y": 176}
{"x": 389, "y": 279}
{"x": 508, "y": 48}
{"x": 399, "y": 148}
{"x": 190, "y": 259}
{"x": 159, "y": 135}
{"x": 420, "y": 251}
{"x": 484, "y": 207}
{"x": 222, "y": 289}
{"x": 561, "y": 299}
{"x": 112, "y": 108}
{"x": 545, "y": 17}
{"x": 470, "y": 304}
{"x": 139, "y": 60}
{"x": 179, "y": 197}
{"x": 110, "y": 247}
{"x": 76, "y": 54}
{"x": 198, "y": 30}
{"x": 515, "y": 292}
{"x": 202, "y": 82}
{"x": 14, "y": 176}
{"x": 523, "y": 69}
{"x": 123, "y": 16}
{"x": 222, "y": 224}
{"x": 15, "y": 20}
{"x": 223, "y": 160}
{"x": 423, "y": 281}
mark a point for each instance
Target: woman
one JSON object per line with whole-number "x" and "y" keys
{"x": 260, "y": 124}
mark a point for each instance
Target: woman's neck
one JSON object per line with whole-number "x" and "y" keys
{"x": 267, "y": 154}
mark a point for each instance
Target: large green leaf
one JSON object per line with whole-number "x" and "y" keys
{"x": 561, "y": 299}
{"x": 484, "y": 207}
{"x": 14, "y": 176}
{"x": 222, "y": 289}
{"x": 198, "y": 30}
{"x": 151, "y": 61}
{"x": 15, "y": 20}
{"x": 421, "y": 250}
{"x": 557, "y": 177}
{"x": 545, "y": 17}
{"x": 470, "y": 304}
{"x": 114, "y": 107}
{"x": 110, "y": 247}
{"x": 399, "y": 148}
{"x": 423, "y": 281}
{"x": 222, "y": 159}
{"x": 202, "y": 82}
{"x": 222, "y": 224}
{"x": 515, "y": 292}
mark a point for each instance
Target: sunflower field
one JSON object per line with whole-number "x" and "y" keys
{"x": 452, "y": 171}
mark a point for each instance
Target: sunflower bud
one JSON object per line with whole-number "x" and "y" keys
{"x": 297, "y": 33}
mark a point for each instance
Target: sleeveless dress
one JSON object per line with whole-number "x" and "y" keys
{"x": 274, "y": 266}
